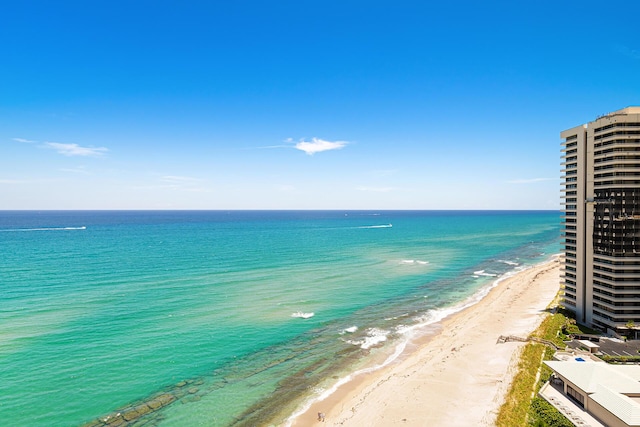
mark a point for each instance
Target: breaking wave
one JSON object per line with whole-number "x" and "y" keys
{"x": 374, "y": 337}
{"x": 414, "y": 261}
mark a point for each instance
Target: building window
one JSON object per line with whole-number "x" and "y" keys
{"x": 577, "y": 397}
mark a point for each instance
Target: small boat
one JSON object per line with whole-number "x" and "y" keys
{"x": 302, "y": 315}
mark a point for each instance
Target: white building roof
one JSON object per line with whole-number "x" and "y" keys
{"x": 588, "y": 344}
{"x": 606, "y": 384}
{"x": 588, "y": 376}
{"x": 618, "y": 404}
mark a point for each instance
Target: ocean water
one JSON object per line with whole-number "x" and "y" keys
{"x": 215, "y": 318}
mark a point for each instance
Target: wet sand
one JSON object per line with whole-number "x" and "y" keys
{"x": 457, "y": 376}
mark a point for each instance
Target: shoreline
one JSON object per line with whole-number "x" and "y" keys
{"x": 453, "y": 368}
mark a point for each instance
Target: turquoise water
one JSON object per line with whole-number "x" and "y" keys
{"x": 185, "y": 318}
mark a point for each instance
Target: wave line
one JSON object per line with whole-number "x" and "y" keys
{"x": 43, "y": 229}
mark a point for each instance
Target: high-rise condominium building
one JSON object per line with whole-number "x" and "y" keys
{"x": 601, "y": 205}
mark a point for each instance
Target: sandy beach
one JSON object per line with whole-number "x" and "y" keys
{"x": 455, "y": 377}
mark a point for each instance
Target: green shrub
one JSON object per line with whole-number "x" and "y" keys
{"x": 620, "y": 359}
{"x": 544, "y": 414}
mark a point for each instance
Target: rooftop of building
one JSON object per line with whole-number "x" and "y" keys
{"x": 615, "y": 387}
{"x": 622, "y": 112}
{"x": 632, "y": 109}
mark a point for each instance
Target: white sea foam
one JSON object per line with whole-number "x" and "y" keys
{"x": 377, "y": 226}
{"x": 396, "y": 317}
{"x": 349, "y": 330}
{"x": 512, "y": 263}
{"x": 483, "y": 273}
{"x": 437, "y": 315}
{"x": 429, "y": 318}
{"x": 344, "y": 380}
{"x": 302, "y": 314}
{"x": 44, "y": 229}
{"x": 414, "y": 261}
{"x": 374, "y": 337}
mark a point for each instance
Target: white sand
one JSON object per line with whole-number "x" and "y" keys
{"x": 457, "y": 377}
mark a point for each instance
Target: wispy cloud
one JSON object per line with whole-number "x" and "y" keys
{"x": 24, "y": 141}
{"x": 273, "y": 146}
{"x": 79, "y": 169}
{"x": 67, "y": 149}
{"x": 76, "y": 150}
{"x": 376, "y": 189}
{"x": 384, "y": 172}
{"x": 11, "y": 181}
{"x": 175, "y": 179}
{"x": 176, "y": 183}
{"x": 286, "y": 188}
{"x": 317, "y": 145}
{"x": 530, "y": 180}
{"x": 627, "y": 51}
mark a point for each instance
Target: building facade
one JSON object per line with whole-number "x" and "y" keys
{"x": 601, "y": 214}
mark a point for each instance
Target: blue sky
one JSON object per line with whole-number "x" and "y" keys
{"x": 302, "y": 104}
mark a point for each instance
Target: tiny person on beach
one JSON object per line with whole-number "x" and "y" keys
{"x": 321, "y": 416}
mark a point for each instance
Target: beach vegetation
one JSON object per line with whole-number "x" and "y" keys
{"x": 547, "y": 415}
{"x": 551, "y": 327}
{"x": 620, "y": 359}
{"x": 515, "y": 410}
{"x": 522, "y": 406}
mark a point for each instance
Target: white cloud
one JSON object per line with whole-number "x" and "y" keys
{"x": 10, "y": 181}
{"x": 75, "y": 149}
{"x": 317, "y": 145}
{"x": 530, "y": 181}
{"x": 25, "y": 141}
